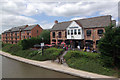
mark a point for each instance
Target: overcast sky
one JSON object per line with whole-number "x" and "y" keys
{"x": 21, "y": 12}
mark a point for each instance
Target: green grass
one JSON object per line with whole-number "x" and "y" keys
{"x": 90, "y": 62}
{"x": 49, "y": 54}
{"x": 0, "y": 45}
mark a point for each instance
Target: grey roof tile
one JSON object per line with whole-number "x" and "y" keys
{"x": 100, "y": 21}
{"x": 14, "y": 29}
{"x": 61, "y": 26}
{"x": 30, "y": 27}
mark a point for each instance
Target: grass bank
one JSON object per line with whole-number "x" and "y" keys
{"x": 0, "y": 45}
{"x": 49, "y": 54}
{"x": 90, "y": 62}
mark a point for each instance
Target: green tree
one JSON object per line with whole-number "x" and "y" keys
{"x": 28, "y": 43}
{"x": 109, "y": 46}
{"x": 45, "y": 35}
{"x": 0, "y": 36}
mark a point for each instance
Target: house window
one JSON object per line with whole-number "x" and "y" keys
{"x": 29, "y": 37}
{"x": 71, "y": 32}
{"x": 15, "y": 33}
{"x": 100, "y": 31}
{"x": 68, "y": 32}
{"x": 65, "y": 34}
{"x": 75, "y": 31}
{"x": 88, "y": 32}
{"x": 59, "y": 34}
{"x": 53, "y": 34}
{"x": 37, "y": 31}
{"x": 6, "y": 34}
{"x": 24, "y": 37}
{"x": 16, "y": 38}
{"x": 79, "y": 31}
{"x": 27, "y": 33}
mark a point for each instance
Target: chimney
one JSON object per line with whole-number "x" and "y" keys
{"x": 56, "y": 21}
{"x": 26, "y": 26}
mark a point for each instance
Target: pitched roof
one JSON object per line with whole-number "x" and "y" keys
{"x": 22, "y": 28}
{"x": 16, "y": 28}
{"x": 30, "y": 27}
{"x": 100, "y": 21}
{"x": 61, "y": 25}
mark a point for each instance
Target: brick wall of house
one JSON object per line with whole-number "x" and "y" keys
{"x": 25, "y": 34}
{"x": 34, "y": 32}
{"x": 15, "y": 37}
{"x": 94, "y": 35}
{"x": 63, "y": 37}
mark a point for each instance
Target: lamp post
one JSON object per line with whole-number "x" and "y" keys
{"x": 42, "y": 45}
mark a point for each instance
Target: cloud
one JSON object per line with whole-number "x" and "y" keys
{"x": 76, "y": 18}
{"x": 15, "y": 13}
{"x": 9, "y": 21}
{"x": 46, "y": 25}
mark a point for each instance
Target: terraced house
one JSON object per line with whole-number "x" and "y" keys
{"x": 80, "y": 32}
{"x": 16, "y": 34}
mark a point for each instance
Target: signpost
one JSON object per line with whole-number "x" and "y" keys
{"x": 42, "y": 46}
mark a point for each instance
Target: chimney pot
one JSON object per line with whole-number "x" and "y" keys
{"x": 56, "y": 21}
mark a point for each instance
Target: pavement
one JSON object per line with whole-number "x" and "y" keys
{"x": 59, "y": 68}
{"x": 62, "y": 58}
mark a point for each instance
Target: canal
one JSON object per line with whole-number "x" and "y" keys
{"x": 15, "y": 69}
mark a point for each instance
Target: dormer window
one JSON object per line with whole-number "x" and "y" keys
{"x": 88, "y": 32}
{"x": 100, "y": 31}
{"x": 75, "y": 31}
{"x": 68, "y": 32}
{"x": 79, "y": 31}
{"x": 71, "y": 32}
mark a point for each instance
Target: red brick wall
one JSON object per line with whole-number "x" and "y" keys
{"x": 94, "y": 35}
{"x": 56, "y": 36}
{"x": 34, "y": 31}
{"x": 25, "y": 33}
{"x": 16, "y": 38}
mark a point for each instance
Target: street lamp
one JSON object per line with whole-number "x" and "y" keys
{"x": 42, "y": 45}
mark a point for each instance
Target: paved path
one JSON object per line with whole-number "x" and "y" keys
{"x": 59, "y": 68}
{"x": 62, "y": 58}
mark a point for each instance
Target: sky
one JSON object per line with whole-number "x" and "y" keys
{"x": 15, "y": 13}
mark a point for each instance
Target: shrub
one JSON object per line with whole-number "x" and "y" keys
{"x": 32, "y": 54}
{"x": 90, "y": 65}
{"x": 28, "y": 43}
{"x": 88, "y": 61}
{"x": 11, "y": 48}
{"x": 49, "y": 54}
{"x": 24, "y": 53}
{"x": 78, "y": 54}
{"x": 109, "y": 46}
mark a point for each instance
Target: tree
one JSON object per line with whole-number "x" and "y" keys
{"x": 0, "y": 36}
{"x": 109, "y": 46}
{"x": 28, "y": 43}
{"x": 46, "y": 36}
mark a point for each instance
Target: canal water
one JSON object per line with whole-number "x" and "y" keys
{"x": 15, "y": 69}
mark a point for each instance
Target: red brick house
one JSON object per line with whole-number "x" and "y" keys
{"x": 16, "y": 34}
{"x": 80, "y": 32}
